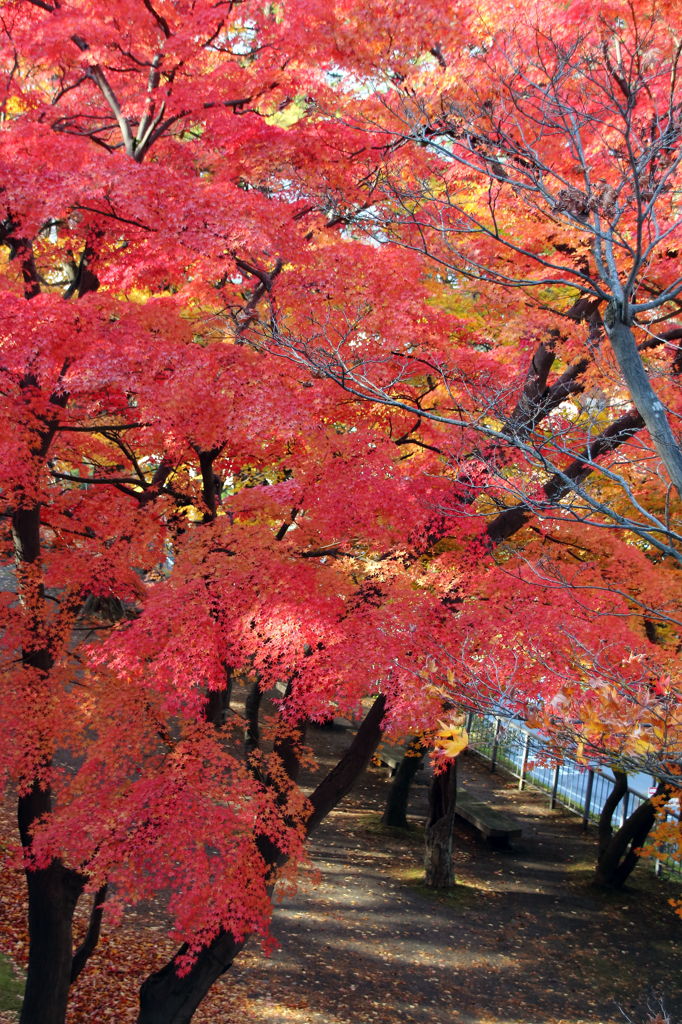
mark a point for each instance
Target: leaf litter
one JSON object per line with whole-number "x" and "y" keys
{"x": 523, "y": 936}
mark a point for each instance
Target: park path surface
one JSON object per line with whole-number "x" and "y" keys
{"x": 523, "y": 937}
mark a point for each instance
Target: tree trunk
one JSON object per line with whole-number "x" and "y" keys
{"x": 649, "y": 405}
{"x": 252, "y": 711}
{"x": 166, "y": 998}
{"x": 218, "y": 701}
{"x": 440, "y": 872}
{"x": 619, "y": 852}
{"x": 395, "y": 813}
{"x": 605, "y": 828}
{"x": 52, "y": 897}
{"x": 348, "y": 770}
{"x": 53, "y": 892}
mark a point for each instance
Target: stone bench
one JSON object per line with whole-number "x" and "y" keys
{"x": 491, "y": 823}
{"x": 391, "y": 758}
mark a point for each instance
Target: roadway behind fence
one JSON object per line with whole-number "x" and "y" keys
{"x": 583, "y": 791}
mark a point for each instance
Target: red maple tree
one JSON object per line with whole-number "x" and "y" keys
{"x": 180, "y": 181}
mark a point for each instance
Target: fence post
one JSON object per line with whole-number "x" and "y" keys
{"x": 588, "y": 799}
{"x": 555, "y": 786}
{"x": 524, "y": 760}
{"x": 470, "y": 718}
{"x": 496, "y": 741}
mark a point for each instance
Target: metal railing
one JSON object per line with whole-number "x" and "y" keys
{"x": 583, "y": 791}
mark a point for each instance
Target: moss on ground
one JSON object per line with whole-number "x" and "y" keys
{"x": 11, "y": 987}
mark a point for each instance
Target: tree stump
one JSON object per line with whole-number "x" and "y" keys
{"x": 440, "y": 872}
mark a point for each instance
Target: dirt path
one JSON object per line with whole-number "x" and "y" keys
{"x": 523, "y": 937}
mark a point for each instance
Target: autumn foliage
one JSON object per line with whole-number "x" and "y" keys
{"x": 308, "y": 378}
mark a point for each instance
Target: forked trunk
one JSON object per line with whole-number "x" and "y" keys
{"x": 605, "y": 827}
{"x": 619, "y": 851}
{"x": 440, "y": 872}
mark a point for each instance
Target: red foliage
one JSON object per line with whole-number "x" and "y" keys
{"x": 186, "y": 187}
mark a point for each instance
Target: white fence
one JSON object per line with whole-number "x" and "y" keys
{"x": 583, "y": 791}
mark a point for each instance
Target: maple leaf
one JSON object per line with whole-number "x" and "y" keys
{"x": 451, "y": 740}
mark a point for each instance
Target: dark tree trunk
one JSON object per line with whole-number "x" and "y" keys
{"x": 52, "y": 897}
{"x": 395, "y": 812}
{"x": 619, "y": 851}
{"x": 346, "y": 773}
{"x": 218, "y": 701}
{"x": 211, "y": 484}
{"x": 166, "y": 998}
{"x": 605, "y": 827}
{"x": 289, "y": 749}
{"x": 440, "y": 872}
{"x": 53, "y": 891}
{"x": 252, "y": 711}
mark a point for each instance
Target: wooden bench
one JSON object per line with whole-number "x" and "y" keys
{"x": 491, "y": 823}
{"x": 391, "y": 758}
{"x": 494, "y": 825}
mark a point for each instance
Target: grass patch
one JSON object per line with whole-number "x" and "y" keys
{"x": 642, "y": 886}
{"x": 11, "y": 987}
{"x": 465, "y": 894}
{"x": 413, "y": 834}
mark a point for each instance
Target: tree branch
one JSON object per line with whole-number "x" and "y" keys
{"x": 343, "y": 776}
{"x": 558, "y": 486}
{"x": 164, "y": 996}
{"x": 529, "y": 405}
{"x": 95, "y": 480}
{"x": 89, "y": 943}
{"x": 161, "y": 22}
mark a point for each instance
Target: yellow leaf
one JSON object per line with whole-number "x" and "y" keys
{"x": 452, "y": 739}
